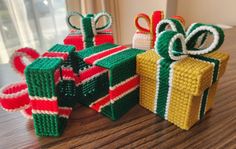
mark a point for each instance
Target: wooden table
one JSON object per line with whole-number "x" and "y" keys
{"x": 139, "y": 127}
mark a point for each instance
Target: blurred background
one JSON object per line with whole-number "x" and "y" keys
{"x": 41, "y": 23}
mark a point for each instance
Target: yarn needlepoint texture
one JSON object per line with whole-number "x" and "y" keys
{"x": 178, "y": 79}
{"x": 144, "y": 38}
{"x": 119, "y": 91}
{"x": 14, "y": 97}
{"x": 52, "y": 97}
{"x": 89, "y": 34}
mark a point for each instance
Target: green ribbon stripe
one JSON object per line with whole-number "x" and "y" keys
{"x": 174, "y": 44}
{"x": 88, "y": 26}
{"x": 164, "y": 76}
{"x": 87, "y": 31}
{"x": 216, "y": 64}
{"x": 203, "y": 103}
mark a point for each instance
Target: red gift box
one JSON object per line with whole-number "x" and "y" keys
{"x": 76, "y": 39}
{"x": 88, "y": 33}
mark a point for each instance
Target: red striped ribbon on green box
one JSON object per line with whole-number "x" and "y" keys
{"x": 120, "y": 62}
{"x": 43, "y": 78}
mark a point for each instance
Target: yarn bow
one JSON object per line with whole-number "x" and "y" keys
{"x": 88, "y": 23}
{"x": 176, "y": 44}
{"x": 152, "y": 22}
{"x": 14, "y": 97}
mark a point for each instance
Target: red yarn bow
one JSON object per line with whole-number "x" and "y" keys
{"x": 14, "y": 97}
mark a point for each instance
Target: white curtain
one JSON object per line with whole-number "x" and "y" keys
{"x": 4, "y": 56}
{"x": 18, "y": 14}
{"x": 41, "y": 23}
{"x": 32, "y": 23}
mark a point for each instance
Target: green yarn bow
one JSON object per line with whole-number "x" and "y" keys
{"x": 175, "y": 44}
{"x": 89, "y": 22}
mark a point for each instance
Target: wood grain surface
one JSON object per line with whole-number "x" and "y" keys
{"x": 139, "y": 128}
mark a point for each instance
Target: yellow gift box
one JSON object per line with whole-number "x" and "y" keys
{"x": 182, "y": 91}
{"x": 191, "y": 77}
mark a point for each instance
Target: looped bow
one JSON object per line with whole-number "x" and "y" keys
{"x": 14, "y": 97}
{"x": 88, "y": 24}
{"x": 152, "y": 22}
{"x": 176, "y": 44}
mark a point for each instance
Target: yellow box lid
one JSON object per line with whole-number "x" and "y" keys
{"x": 190, "y": 75}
